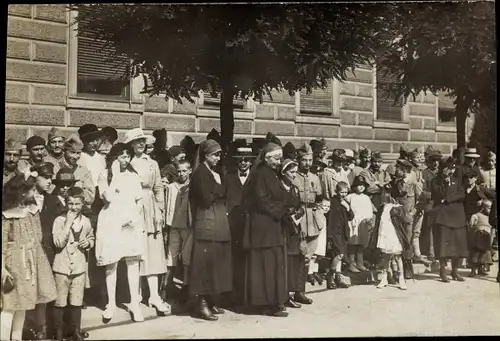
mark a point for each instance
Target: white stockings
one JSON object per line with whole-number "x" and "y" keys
{"x": 132, "y": 278}
{"x": 12, "y": 324}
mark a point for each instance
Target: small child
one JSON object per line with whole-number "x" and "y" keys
{"x": 178, "y": 220}
{"x": 73, "y": 238}
{"x": 338, "y": 235}
{"x": 480, "y": 240}
{"x": 319, "y": 216}
{"x": 360, "y": 226}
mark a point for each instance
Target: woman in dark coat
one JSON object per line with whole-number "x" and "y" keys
{"x": 266, "y": 285}
{"x": 450, "y": 234}
{"x": 210, "y": 270}
{"x": 296, "y": 274}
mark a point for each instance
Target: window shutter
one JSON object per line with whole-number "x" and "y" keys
{"x": 387, "y": 109}
{"x": 319, "y": 101}
{"x": 100, "y": 71}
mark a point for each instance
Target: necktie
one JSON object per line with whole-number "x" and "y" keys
{"x": 243, "y": 175}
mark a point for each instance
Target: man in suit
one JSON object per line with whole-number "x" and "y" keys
{"x": 210, "y": 268}
{"x": 237, "y": 215}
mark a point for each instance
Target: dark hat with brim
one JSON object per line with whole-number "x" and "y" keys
{"x": 110, "y": 133}
{"x": 45, "y": 169}
{"x": 64, "y": 176}
{"x": 404, "y": 163}
{"x": 338, "y": 155}
{"x": 434, "y": 155}
{"x": 89, "y": 131}
{"x": 470, "y": 173}
{"x": 359, "y": 180}
{"x": 243, "y": 152}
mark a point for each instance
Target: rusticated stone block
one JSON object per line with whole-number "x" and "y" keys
{"x": 348, "y": 118}
{"x": 339, "y": 144}
{"x": 17, "y": 70}
{"x": 44, "y": 131}
{"x": 356, "y": 133}
{"x": 447, "y": 137}
{"x": 37, "y": 30}
{"x": 446, "y": 149}
{"x": 416, "y": 123}
{"x": 411, "y": 145}
{"x": 33, "y": 115}
{"x": 19, "y": 134}
{"x": 384, "y": 147}
{"x": 264, "y": 111}
{"x": 422, "y": 110}
{"x": 103, "y": 118}
{"x": 365, "y": 90}
{"x": 351, "y": 103}
{"x": 169, "y": 122}
{"x": 20, "y": 10}
{"x": 46, "y": 52}
{"x": 286, "y": 113}
{"x": 365, "y": 119}
{"x": 157, "y": 104}
{"x": 317, "y": 130}
{"x": 360, "y": 75}
{"x": 185, "y": 107}
{"x": 348, "y": 89}
{"x": 49, "y": 95}
{"x": 429, "y": 124}
{"x": 277, "y": 128}
{"x": 422, "y": 135}
{"x": 18, "y": 93}
{"x": 57, "y": 13}
{"x": 391, "y": 134}
{"x": 18, "y": 49}
{"x": 240, "y": 126}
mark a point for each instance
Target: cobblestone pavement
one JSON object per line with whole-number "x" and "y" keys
{"x": 429, "y": 307}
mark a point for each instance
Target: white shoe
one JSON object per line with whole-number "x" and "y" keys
{"x": 109, "y": 312}
{"x": 383, "y": 282}
{"x": 136, "y": 311}
{"x": 159, "y": 305}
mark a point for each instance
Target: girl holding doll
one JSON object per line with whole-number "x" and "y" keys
{"x": 27, "y": 278}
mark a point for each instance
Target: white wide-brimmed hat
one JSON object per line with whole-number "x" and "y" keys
{"x": 134, "y": 134}
{"x": 472, "y": 153}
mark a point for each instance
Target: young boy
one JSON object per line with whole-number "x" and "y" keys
{"x": 178, "y": 220}
{"x": 480, "y": 240}
{"x": 73, "y": 238}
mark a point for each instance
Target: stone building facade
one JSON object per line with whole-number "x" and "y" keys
{"x": 54, "y": 79}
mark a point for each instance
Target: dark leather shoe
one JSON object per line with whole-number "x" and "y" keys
{"x": 473, "y": 273}
{"x": 311, "y": 279}
{"x": 330, "y": 282}
{"x": 292, "y": 304}
{"x": 78, "y": 335}
{"x": 275, "y": 312}
{"x": 204, "y": 312}
{"x": 339, "y": 282}
{"x": 300, "y": 297}
{"x": 282, "y": 307}
{"x": 444, "y": 277}
{"x": 319, "y": 278}
{"x": 457, "y": 277}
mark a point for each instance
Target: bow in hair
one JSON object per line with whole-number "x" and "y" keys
{"x": 28, "y": 173}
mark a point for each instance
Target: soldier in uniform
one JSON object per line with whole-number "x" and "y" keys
{"x": 365, "y": 156}
{"x": 35, "y": 146}
{"x": 55, "y": 148}
{"x": 320, "y": 161}
{"x": 12, "y": 155}
{"x": 311, "y": 195}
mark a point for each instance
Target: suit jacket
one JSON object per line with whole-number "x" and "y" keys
{"x": 237, "y": 214}
{"x": 208, "y": 205}
{"x": 266, "y": 206}
{"x": 52, "y": 208}
{"x": 448, "y": 202}
{"x": 338, "y": 222}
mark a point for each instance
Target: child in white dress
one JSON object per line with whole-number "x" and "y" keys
{"x": 120, "y": 227}
{"x": 360, "y": 226}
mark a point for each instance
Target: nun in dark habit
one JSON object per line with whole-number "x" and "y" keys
{"x": 266, "y": 282}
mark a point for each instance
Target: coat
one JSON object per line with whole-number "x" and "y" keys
{"x": 208, "y": 205}
{"x": 291, "y": 230}
{"x": 52, "y": 208}
{"x": 266, "y": 206}
{"x": 448, "y": 203}
{"x": 236, "y": 210}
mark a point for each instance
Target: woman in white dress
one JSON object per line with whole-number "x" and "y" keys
{"x": 155, "y": 261}
{"x": 120, "y": 227}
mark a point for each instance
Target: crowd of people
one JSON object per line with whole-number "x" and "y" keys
{"x": 243, "y": 226}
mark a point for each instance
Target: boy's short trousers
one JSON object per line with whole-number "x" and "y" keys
{"x": 70, "y": 288}
{"x": 180, "y": 243}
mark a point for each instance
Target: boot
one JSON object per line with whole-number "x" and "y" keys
{"x": 482, "y": 271}
{"x": 274, "y": 311}
{"x": 59, "y": 322}
{"x": 442, "y": 272}
{"x": 311, "y": 279}
{"x": 203, "y": 311}
{"x": 473, "y": 272}
{"x": 301, "y": 297}
{"x": 407, "y": 269}
{"x": 76, "y": 320}
{"x": 213, "y": 307}
{"x": 318, "y": 277}
{"x": 338, "y": 281}
{"x": 417, "y": 258}
{"x": 292, "y": 304}
{"x": 330, "y": 283}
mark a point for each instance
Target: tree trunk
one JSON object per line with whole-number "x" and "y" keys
{"x": 227, "y": 115}
{"x": 462, "y": 107}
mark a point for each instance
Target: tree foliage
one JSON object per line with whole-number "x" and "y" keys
{"x": 237, "y": 50}
{"x": 445, "y": 46}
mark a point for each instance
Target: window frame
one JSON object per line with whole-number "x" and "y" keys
{"x": 444, "y": 108}
{"x": 335, "y": 103}
{"x": 135, "y": 100}
{"x": 405, "y": 108}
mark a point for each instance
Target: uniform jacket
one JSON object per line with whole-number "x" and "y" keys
{"x": 373, "y": 191}
{"x": 311, "y": 192}
{"x": 70, "y": 259}
{"x": 449, "y": 213}
{"x": 207, "y": 200}
{"x": 266, "y": 202}
{"x": 425, "y": 199}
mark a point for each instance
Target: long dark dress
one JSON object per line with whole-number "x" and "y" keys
{"x": 449, "y": 231}
{"x": 338, "y": 227}
{"x": 296, "y": 271}
{"x": 264, "y": 238}
{"x": 210, "y": 269}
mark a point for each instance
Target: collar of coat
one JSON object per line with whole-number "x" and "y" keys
{"x": 19, "y": 212}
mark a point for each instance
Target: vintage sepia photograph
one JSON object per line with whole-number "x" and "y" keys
{"x": 228, "y": 170}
